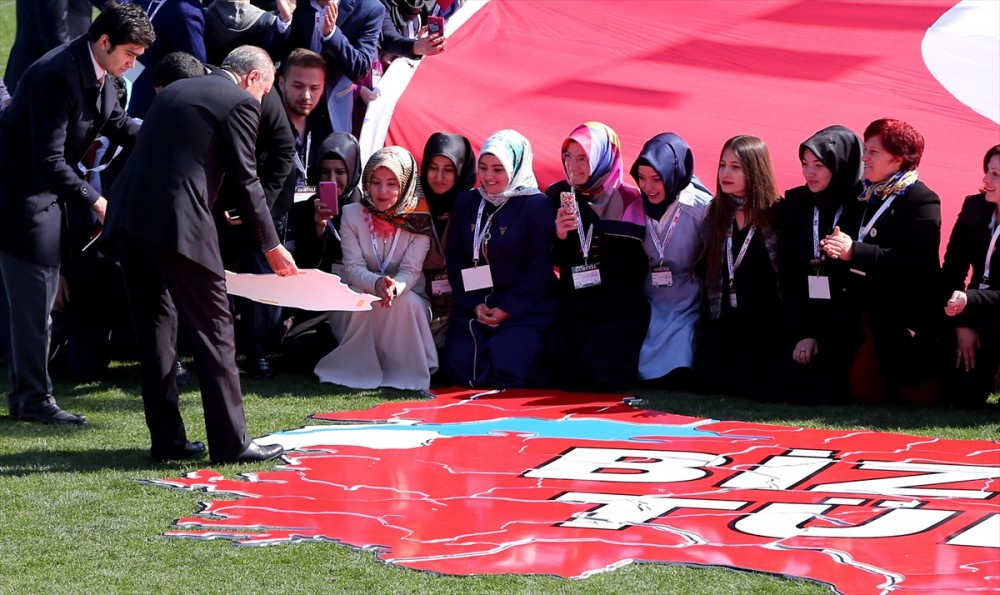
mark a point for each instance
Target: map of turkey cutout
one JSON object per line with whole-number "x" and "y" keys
{"x": 567, "y": 484}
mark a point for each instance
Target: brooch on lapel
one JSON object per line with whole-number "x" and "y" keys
{"x": 503, "y": 230}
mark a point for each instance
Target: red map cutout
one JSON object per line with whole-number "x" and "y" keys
{"x": 533, "y": 482}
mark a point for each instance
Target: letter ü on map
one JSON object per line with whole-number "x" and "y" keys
{"x": 511, "y": 482}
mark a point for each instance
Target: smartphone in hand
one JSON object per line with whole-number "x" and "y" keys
{"x": 328, "y": 196}
{"x": 435, "y": 27}
{"x": 567, "y": 200}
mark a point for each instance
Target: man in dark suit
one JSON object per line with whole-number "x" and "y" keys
{"x": 345, "y": 34}
{"x": 196, "y": 132}
{"x": 60, "y": 106}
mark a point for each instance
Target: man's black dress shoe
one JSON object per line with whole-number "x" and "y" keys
{"x": 50, "y": 413}
{"x": 14, "y": 407}
{"x": 255, "y": 452}
{"x": 262, "y": 369}
{"x": 189, "y": 451}
{"x": 183, "y": 377}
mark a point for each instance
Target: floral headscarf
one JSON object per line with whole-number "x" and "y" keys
{"x": 514, "y": 153}
{"x": 410, "y": 211}
{"x": 601, "y": 145}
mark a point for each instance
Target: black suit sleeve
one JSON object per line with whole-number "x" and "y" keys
{"x": 49, "y": 122}
{"x": 275, "y": 146}
{"x": 238, "y": 140}
{"x": 391, "y": 42}
{"x": 52, "y": 27}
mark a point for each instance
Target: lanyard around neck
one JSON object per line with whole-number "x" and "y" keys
{"x": 993, "y": 246}
{"x": 817, "y": 255}
{"x": 382, "y": 261}
{"x": 481, "y": 234}
{"x": 743, "y": 250}
{"x": 863, "y": 232}
{"x": 652, "y": 227}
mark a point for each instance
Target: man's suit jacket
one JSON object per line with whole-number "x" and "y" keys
{"x": 197, "y": 131}
{"x": 348, "y": 53}
{"x": 56, "y": 113}
{"x": 41, "y": 26}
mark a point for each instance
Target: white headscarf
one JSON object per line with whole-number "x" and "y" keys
{"x": 514, "y": 153}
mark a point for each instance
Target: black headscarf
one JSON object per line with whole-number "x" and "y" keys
{"x": 343, "y": 146}
{"x": 671, "y": 157}
{"x": 401, "y": 12}
{"x": 840, "y": 150}
{"x": 458, "y": 150}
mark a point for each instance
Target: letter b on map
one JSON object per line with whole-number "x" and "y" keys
{"x": 627, "y": 465}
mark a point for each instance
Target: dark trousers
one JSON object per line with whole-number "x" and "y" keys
{"x": 31, "y": 292}
{"x": 160, "y": 283}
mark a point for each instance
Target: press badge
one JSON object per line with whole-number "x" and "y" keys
{"x": 819, "y": 287}
{"x": 586, "y": 275}
{"x": 662, "y": 277}
{"x": 474, "y": 278}
{"x": 303, "y": 193}
{"x": 440, "y": 284}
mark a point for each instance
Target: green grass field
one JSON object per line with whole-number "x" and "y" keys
{"x": 73, "y": 518}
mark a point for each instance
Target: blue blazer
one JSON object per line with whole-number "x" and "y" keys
{"x": 348, "y": 53}
{"x": 519, "y": 253}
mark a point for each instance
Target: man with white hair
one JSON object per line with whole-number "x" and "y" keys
{"x": 160, "y": 215}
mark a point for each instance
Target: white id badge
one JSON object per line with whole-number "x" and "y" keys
{"x": 819, "y": 287}
{"x": 303, "y": 193}
{"x": 586, "y": 275}
{"x": 477, "y": 278}
{"x": 984, "y": 286}
{"x": 440, "y": 284}
{"x": 662, "y": 277}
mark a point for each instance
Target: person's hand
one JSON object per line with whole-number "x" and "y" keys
{"x": 491, "y": 317}
{"x": 330, "y": 19}
{"x": 565, "y": 222}
{"x": 285, "y": 9}
{"x": 427, "y": 46}
{"x": 967, "y": 343}
{"x": 838, "y": 245}
{"x": 321, "y": 216}
{"x": 281, "y": 261}
{"x": 385, "y": 288}
{"x": 62, "y": 295}
{"x": 100, "y": 207}
{"x": 805, "y": 350}
{"x": 956, "y": 304}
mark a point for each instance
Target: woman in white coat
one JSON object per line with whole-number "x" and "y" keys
{"x": 385, "y": 239}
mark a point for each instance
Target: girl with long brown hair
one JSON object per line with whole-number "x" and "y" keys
{"x": 738, "y": 351}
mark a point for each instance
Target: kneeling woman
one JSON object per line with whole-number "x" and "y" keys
{"x": 975, "y": 244}
{"x": 603, "y": 313}
{"x": 385, "y": 239}
{"x": 738, "y": 353}
{"x": 499, "y": 264}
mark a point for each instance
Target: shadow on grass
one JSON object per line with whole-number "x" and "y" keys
{"x": 47, "y": 461}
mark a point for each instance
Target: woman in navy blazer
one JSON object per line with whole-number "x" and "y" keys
{"x": 499, "y": 263}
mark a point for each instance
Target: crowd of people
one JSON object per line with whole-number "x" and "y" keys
{"x": 832, "y": 293}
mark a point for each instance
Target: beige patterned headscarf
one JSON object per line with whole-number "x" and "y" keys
{"x": 411, "y": 211}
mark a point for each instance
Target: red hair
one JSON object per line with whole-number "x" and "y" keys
{"x": 899, "y": 139}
